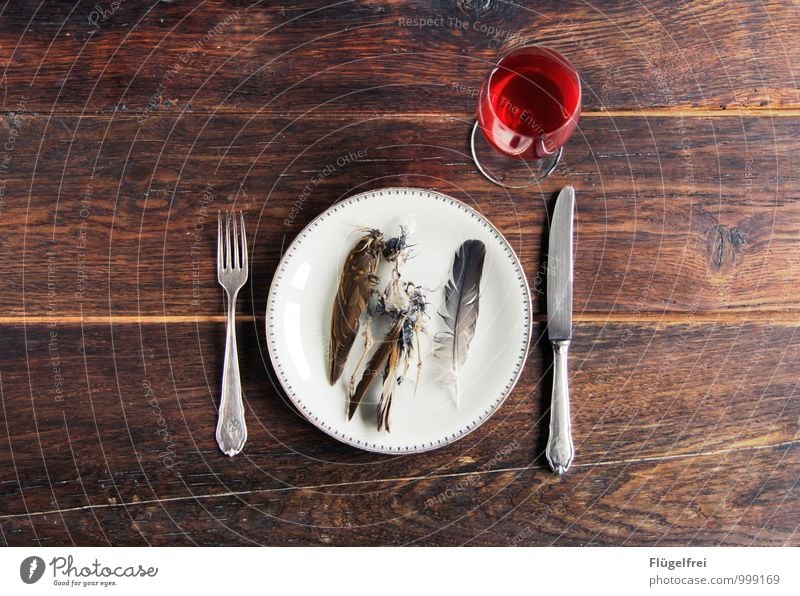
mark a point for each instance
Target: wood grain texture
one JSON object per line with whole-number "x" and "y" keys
{"x": 123, "y": 131}
{"x": 655, "y": 448}
{"x": 675, "y": 216}
{"x": 519, "y": 507}
{"x": 388, "y": 56}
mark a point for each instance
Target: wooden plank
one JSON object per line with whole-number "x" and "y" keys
{"x": 386, "y": 56}
{"x": 676, "y": 217}
{"x": 668, "y": 420}
{"x": 735, "y": 499}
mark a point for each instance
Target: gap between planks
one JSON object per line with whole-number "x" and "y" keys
{"x": 685, "y": 112}
{"x": 517, "y": 469}
{"x": 775, "y": 318}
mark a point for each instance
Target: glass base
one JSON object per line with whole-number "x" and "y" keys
{"x": 506, "y": 170}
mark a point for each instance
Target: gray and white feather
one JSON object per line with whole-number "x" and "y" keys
{"x": 460, "y": 313}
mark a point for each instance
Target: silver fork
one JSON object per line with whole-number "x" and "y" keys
{"x": 232, "y": 275}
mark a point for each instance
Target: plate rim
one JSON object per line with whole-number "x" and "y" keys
{"x": 527, "y": 302}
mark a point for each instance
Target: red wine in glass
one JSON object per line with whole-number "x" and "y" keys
{"x": 528, "y": 108}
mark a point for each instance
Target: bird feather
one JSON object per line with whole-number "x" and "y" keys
{"x": 378, "y": 364}
{"x": 356, "y": 283}
{"x": 460, "y": 313}
{"x": 390, "y": 380}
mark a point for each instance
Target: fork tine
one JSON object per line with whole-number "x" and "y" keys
{"x": 228, "y": 240}
{"x": 237, "y": 256}
{"x": 220, "y": 263}
{"x": 244, "y": 242}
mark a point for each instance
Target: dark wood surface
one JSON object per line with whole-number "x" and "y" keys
{"x": 121, "y": 132}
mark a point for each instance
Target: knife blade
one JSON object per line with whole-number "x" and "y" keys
{"x": 559, "y": 268}
{"x": 560, "y": 451}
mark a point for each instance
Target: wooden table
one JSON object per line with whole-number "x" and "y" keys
{"x": 126, "y": 128}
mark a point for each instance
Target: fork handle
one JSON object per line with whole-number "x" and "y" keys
{"x": 559, "y": 450}
{"x": 231, "y": 428}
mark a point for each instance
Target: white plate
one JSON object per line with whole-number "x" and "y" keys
{"x": 301, "y": 302}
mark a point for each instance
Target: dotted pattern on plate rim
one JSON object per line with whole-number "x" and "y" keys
{"x": 378, "y": 447}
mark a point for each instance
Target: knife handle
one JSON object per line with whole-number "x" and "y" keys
{"x": 559, "y": 450}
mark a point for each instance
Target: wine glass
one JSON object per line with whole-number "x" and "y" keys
{"x": 528, "y": 108}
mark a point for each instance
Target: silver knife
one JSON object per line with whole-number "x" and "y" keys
{"x": 559, "y": 450}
